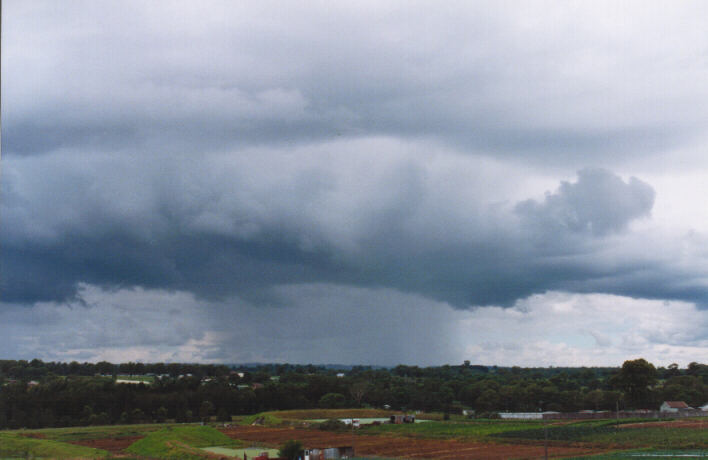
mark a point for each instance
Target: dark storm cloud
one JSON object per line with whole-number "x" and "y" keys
{"x": 226, "y": 225}
{"x": 329, "y": 165}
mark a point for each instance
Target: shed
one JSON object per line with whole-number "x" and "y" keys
{"x": 397, "y": 419}
{"x": 327, "y": 453}
{"x": 674, "y": 406}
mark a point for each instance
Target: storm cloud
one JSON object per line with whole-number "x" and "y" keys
{"x": 252, "y": 158}
{"x": 598, "y": 203}
{"x": 371, "y": 215}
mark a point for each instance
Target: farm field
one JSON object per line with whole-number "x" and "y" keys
{"x": 661, "y": 435}
{"x": 14, "y": 445}
{"x": 470, "y": 439}
{"x": 471, "y": 430}
{"x": 401, "y": 447}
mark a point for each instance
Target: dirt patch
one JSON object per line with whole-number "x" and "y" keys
{"x": 399, "y": 447}
{"x": 112, "y": 445}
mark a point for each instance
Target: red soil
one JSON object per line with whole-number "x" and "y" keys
{"x": 399, "y": 447}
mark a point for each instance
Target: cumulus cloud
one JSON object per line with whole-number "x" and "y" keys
{"x": 598, "y": 203}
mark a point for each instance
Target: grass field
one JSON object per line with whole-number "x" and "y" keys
{"x": 96, "y": 432}
{"x": 14, "y": 445}
{"x": 180, "y": 442}
{"x": 634, "y": 438}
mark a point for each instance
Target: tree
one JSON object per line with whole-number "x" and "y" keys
{"x": 635, "y": 378}
{"x": 358, "y": 390}
{"x": 290, "y": 450}
{"x": 672, "y": 371}
{"x": 161, "y": 414}
{"x": 332, "y": 401}
{"x": 205, "y": 410}
{"x": 223, "y": 415}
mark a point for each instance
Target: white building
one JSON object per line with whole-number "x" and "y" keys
{"x": 673, "y": 406}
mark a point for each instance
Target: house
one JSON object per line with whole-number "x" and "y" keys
{"x": 397, "y": 419}
{"x": 327, "y": 453}
{"x": 674, "y": 406}
{"x": 340, "y": 375}
{"x": 704, "y": 408}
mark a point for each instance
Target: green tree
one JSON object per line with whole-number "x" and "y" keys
{"x": 161, "y": 414}
{"x": 635, "y": 378}
{"x": 357, "y": 391}
{"x": 290, "y": 450}
{"x": 206, "y": 410}
{"x": 332, "y": 401}
{"x": 223, "y": 415}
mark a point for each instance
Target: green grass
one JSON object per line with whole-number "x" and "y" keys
{"x": 12, "y": 444}
{"x": 269, "y": 419}
{"x": 97, "y": 432}
{"x": 457, "y": 430}
{"x": 180, "y": 442}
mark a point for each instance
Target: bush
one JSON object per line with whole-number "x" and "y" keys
{"x": 290, "y": 450}
{"x": 333, "y": 424}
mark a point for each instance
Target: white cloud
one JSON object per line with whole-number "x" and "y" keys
{"x": 587, "y": 329}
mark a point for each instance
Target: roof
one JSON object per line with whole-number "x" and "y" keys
{"x": 677, "y": 404}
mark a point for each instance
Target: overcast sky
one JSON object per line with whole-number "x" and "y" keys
{"x": 512, "y": 183}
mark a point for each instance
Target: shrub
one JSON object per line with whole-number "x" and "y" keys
{"x": 290, "y": 450}
{"x": 333, "y": 424}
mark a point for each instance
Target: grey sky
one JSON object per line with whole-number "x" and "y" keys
{"x": 258, "y": 161}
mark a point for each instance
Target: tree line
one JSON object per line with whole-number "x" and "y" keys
{"x": 36, "y": 394}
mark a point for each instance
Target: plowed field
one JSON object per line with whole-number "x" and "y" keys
{"x": 399, "y": 447}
